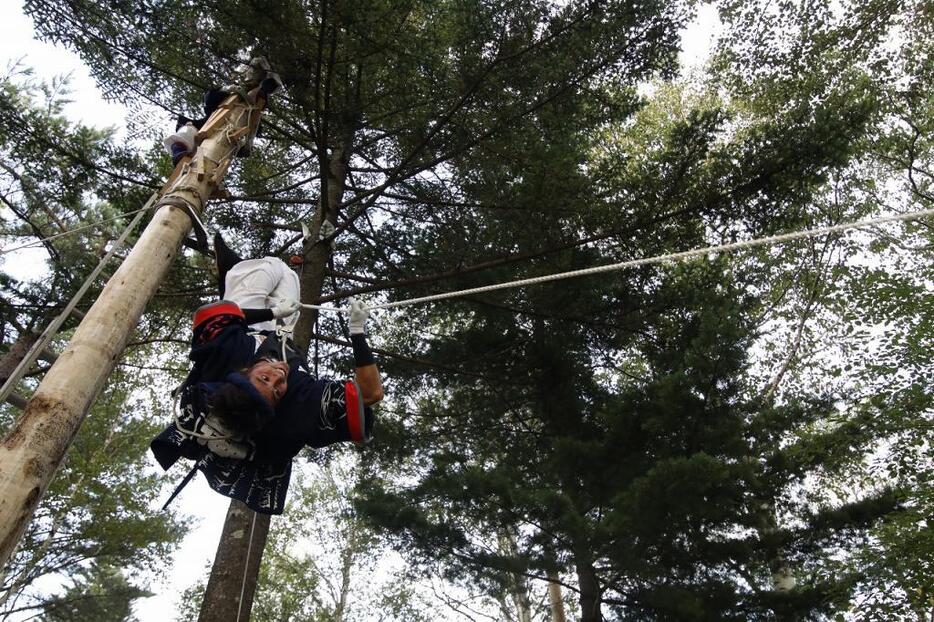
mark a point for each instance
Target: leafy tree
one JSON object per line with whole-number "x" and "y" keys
{"x": 874, "y": 307}
{"x": 102, "y": 593}
{"x": 72, "y": 184}
{"x": 382, "y": 100}
{"x": 622, "y": 424}
{"x": 669, "y": 438}
{"x": 96, "y": 514}
{"x": 322, "y": 564}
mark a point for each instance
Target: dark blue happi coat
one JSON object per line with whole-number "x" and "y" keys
{"x": 313, "y": 412}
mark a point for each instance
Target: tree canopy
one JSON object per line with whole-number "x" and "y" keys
{"x": 740, "y": 437}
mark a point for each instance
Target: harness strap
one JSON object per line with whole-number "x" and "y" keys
{"x": 283, "y": 334}
{"x": 199, "y": 422}
{"x": 182, "y": 484}
{"x": 201, "y": 232}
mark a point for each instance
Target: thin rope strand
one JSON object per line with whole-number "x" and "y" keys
{"x": 671, "y": 257}
{"x": 46, "y": 337}
{"x": 75, "y": 230}
{"x": 246, "y": 567}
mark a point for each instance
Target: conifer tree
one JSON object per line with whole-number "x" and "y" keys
{"x": 96, "y": 512}
{"x": 382, "y": 97}
{"x": 623, "y": 423}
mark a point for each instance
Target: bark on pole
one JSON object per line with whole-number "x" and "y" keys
{"x": 230, "y": 589}
{"x": 555, "y": 600}
{"x": 515, "y": 583}
{"x": 37, "y": 443}
{"x": 17, "y": 351}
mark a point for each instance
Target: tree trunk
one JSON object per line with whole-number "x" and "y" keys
{"x": 11, "y": 361}
{"x": 8, "y": 364}
{"x": 232, "y": 583}
{"x": 15, "y": 354}
{"x": 317, "y": 254}
{"x": 518, "y": 590}
{"x": 554, "y": 598}
{"x": 347, "y": 560}
{"x": 218, "y": 593}
{"x": 589, "y": 588}
{"x": 37, "y": 443}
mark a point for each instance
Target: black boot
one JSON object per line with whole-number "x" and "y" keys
{"x": 225, "y": 259}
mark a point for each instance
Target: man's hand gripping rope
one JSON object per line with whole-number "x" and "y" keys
{"x": 285, "y": 307}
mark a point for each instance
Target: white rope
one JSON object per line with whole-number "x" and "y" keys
{"x": 246, "y": 567}
{"x": 193, "y": 433}
{"x": 75, "y": 230}
{"x": 46, "y": 337}
{"x": 672, "y": 257}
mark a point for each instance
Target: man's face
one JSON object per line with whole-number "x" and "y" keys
{"x": 269, "y": 378}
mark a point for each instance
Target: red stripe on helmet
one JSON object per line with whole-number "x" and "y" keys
{"x": 215, "y": 309}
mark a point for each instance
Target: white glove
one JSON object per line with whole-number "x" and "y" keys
{"x": 285, "y": 307}
{"x": 358, "y": 316}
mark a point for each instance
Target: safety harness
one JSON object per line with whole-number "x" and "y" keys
{"x": 196, "y": 421}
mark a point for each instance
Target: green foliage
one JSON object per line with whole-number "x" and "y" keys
{"x": 624, "y": 425}
{"x": 96, "y": 513}
{"x": 320, "y": 564}
{"x": 680, "y": 435}
{"x": 69, "y": 181}
{"x": 100, "y": 593}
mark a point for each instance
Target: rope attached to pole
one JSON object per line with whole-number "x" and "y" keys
{"x": 671, "y": 257}
{"x": 246, "y": 566}
{"x": 149, "y": 205}
{"x": 53, "y": 327}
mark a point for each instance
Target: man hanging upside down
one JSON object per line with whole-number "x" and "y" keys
{"x": 249, "y": 403}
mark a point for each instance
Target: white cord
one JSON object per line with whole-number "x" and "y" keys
{"x": 75, "y": 230}
{"x": 246, "y": 567}
{"x": 53, "y": 327}
{"x": 682, "y": 256}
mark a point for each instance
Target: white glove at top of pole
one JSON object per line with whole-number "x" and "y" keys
{"x": 358, "y": 316}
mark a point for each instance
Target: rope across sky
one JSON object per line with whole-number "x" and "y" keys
{"x": 671, "y": 257}
{"x": 75, "y": 230}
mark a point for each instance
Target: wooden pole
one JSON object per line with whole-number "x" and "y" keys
{"x": 37, "y": 443}
{"x": 555, "y": 600}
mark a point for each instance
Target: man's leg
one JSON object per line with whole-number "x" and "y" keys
{"x": 225, "y": 259}
{"x": 259, "y": 284}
